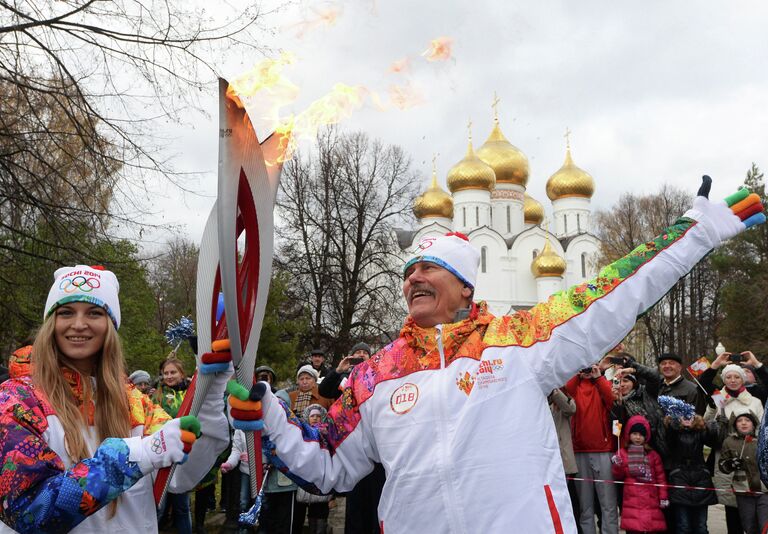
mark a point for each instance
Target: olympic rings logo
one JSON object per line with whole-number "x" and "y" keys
{"x": 86, "y": 285}
{"x": 158, "y": 445}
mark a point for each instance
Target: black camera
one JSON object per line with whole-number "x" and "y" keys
{"x": 621, "y": 360}
{"x": 586, "y": 371}
{"x": 736, "y": 358}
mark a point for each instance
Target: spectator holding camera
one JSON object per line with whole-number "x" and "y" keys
{"x": 335, "y": 380}
{"x": 755, "y": 373}
{"x": 738, "y": 458}
{"x": 635, "y": 396}
{"x": 593, "y": 442}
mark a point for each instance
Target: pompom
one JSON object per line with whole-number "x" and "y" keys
{"x": 179, "y": 331}
{"x": 676, "y": 408}
{"x": 249, "y": 518}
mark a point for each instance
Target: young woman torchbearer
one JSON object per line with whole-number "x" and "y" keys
{"x": 77, "y": 439}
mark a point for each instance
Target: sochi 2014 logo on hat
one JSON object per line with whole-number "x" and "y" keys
{"x": 404, "y": 398}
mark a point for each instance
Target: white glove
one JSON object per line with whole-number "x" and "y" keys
{"x": 169, "y": 445}
{"x": 720, "y": 219}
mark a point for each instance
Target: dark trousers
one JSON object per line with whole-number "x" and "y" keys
{"x": 318, "y": 510}
{"x": 733, "y": 520}
{"x": 363, "y": 502}
{"x": 691, "y": 519}
{"x": 276, "y": 513}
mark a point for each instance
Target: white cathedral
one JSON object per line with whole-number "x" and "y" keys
{"x": 523, "y": 260}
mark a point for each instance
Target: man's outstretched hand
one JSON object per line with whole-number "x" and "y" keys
{"x": 245, "y": 406}
{"x": 726, "y": 218}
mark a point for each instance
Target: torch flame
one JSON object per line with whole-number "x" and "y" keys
{"x": 405, "y": 96}
{"x": 266, "y": 76}
{"x": 334, "y": 107}
{"x": 439, "y": 49}
{"x": 400, "y": 65}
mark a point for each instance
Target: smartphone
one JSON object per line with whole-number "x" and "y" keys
{"x": 617, "y": 359}
{"x": 355, "y": 361}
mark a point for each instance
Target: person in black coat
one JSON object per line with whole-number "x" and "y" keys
{"x": 685, "y": 440}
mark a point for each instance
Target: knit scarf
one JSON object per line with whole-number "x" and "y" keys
{"x": 736, "y": 393}
{"x": 638, "y": 463}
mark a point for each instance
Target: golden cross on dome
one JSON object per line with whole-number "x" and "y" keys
{"x": 434, "y": 162}
{"x": 469, "y": 129}
{"x": 567, "y": 138}
{"x": 495, "y": 106}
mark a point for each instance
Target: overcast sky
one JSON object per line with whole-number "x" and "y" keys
{"x": 653, "y": 92}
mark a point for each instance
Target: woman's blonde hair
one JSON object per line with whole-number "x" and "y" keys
{"x": 112, "y": 413}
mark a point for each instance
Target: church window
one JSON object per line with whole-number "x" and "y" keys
{"x": 477, "y": 216}
{"x": 509, "y": 221}
{"x": 578, "y": 222}
{"x": 464, "y": 217}
{"x": 535, "y": 253}
{"x": 565, "y": 224}
{"x": 483, "y": 260}
{"x": 583, "y": 264}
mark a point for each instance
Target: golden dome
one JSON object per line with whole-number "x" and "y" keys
{"x": 434, "y": 202}
{"x": 548, "y": 263}
{"x": 471, "y": 173}
{"x": 533, "y": 211}
{"x": 570, "y": 181}
{"x": 506, "y": 160}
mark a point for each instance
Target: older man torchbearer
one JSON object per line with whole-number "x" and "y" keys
{"x": 456, "y": 408}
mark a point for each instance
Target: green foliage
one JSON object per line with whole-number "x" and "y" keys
{"x": 743, "y": 262}
{"x": 27, "y": 280}
{"x": 286, "y": 325}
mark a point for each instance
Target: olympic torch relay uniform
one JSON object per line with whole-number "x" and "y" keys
{"x": 458, "y": 413}
{"x": 41, "y": 490}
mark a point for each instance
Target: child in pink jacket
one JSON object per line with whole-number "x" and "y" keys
{"x": 641, "y": 469}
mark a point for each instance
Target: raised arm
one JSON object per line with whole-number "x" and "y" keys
{"x": 576, "y": 327}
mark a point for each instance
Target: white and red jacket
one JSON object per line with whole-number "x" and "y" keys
{"x": 458, "y": 413}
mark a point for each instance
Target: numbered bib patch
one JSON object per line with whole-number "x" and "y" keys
{"x": 404, "y": 398}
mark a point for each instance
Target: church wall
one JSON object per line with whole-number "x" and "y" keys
{"x": 571, "y": 216}
{"x": 471, "y": 209}
{"x": 588, "y": 246}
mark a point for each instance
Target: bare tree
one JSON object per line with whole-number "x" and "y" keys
{"x": 87, "y": 86}
{"x": 338, "y": 208}
{"x": 173, "y": 278}
{"x": 685, "y": 320}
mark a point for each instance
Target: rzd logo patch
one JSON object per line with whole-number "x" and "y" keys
{"x": 404, "y": 398}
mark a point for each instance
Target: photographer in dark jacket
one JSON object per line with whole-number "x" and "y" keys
{"x": 332, "y": 384}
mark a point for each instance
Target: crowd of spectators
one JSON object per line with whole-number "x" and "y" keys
{"x": 286, "y": 507}
{"x": 646, "y": 449}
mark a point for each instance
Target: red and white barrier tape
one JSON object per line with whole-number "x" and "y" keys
{"x": 673, "y": 486}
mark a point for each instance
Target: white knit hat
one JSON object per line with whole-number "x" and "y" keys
{"x": 452, "y": 252}
{"x": 733, "y": 368}
{"x": 308, "y": 369}
{"x": 83, "y": 283}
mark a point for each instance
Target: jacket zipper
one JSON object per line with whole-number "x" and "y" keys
{"x": 450, "y": 498}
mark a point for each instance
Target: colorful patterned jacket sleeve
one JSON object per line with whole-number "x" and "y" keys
{"x": 37, "y": 494}
{"x": 576, "y": 327}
